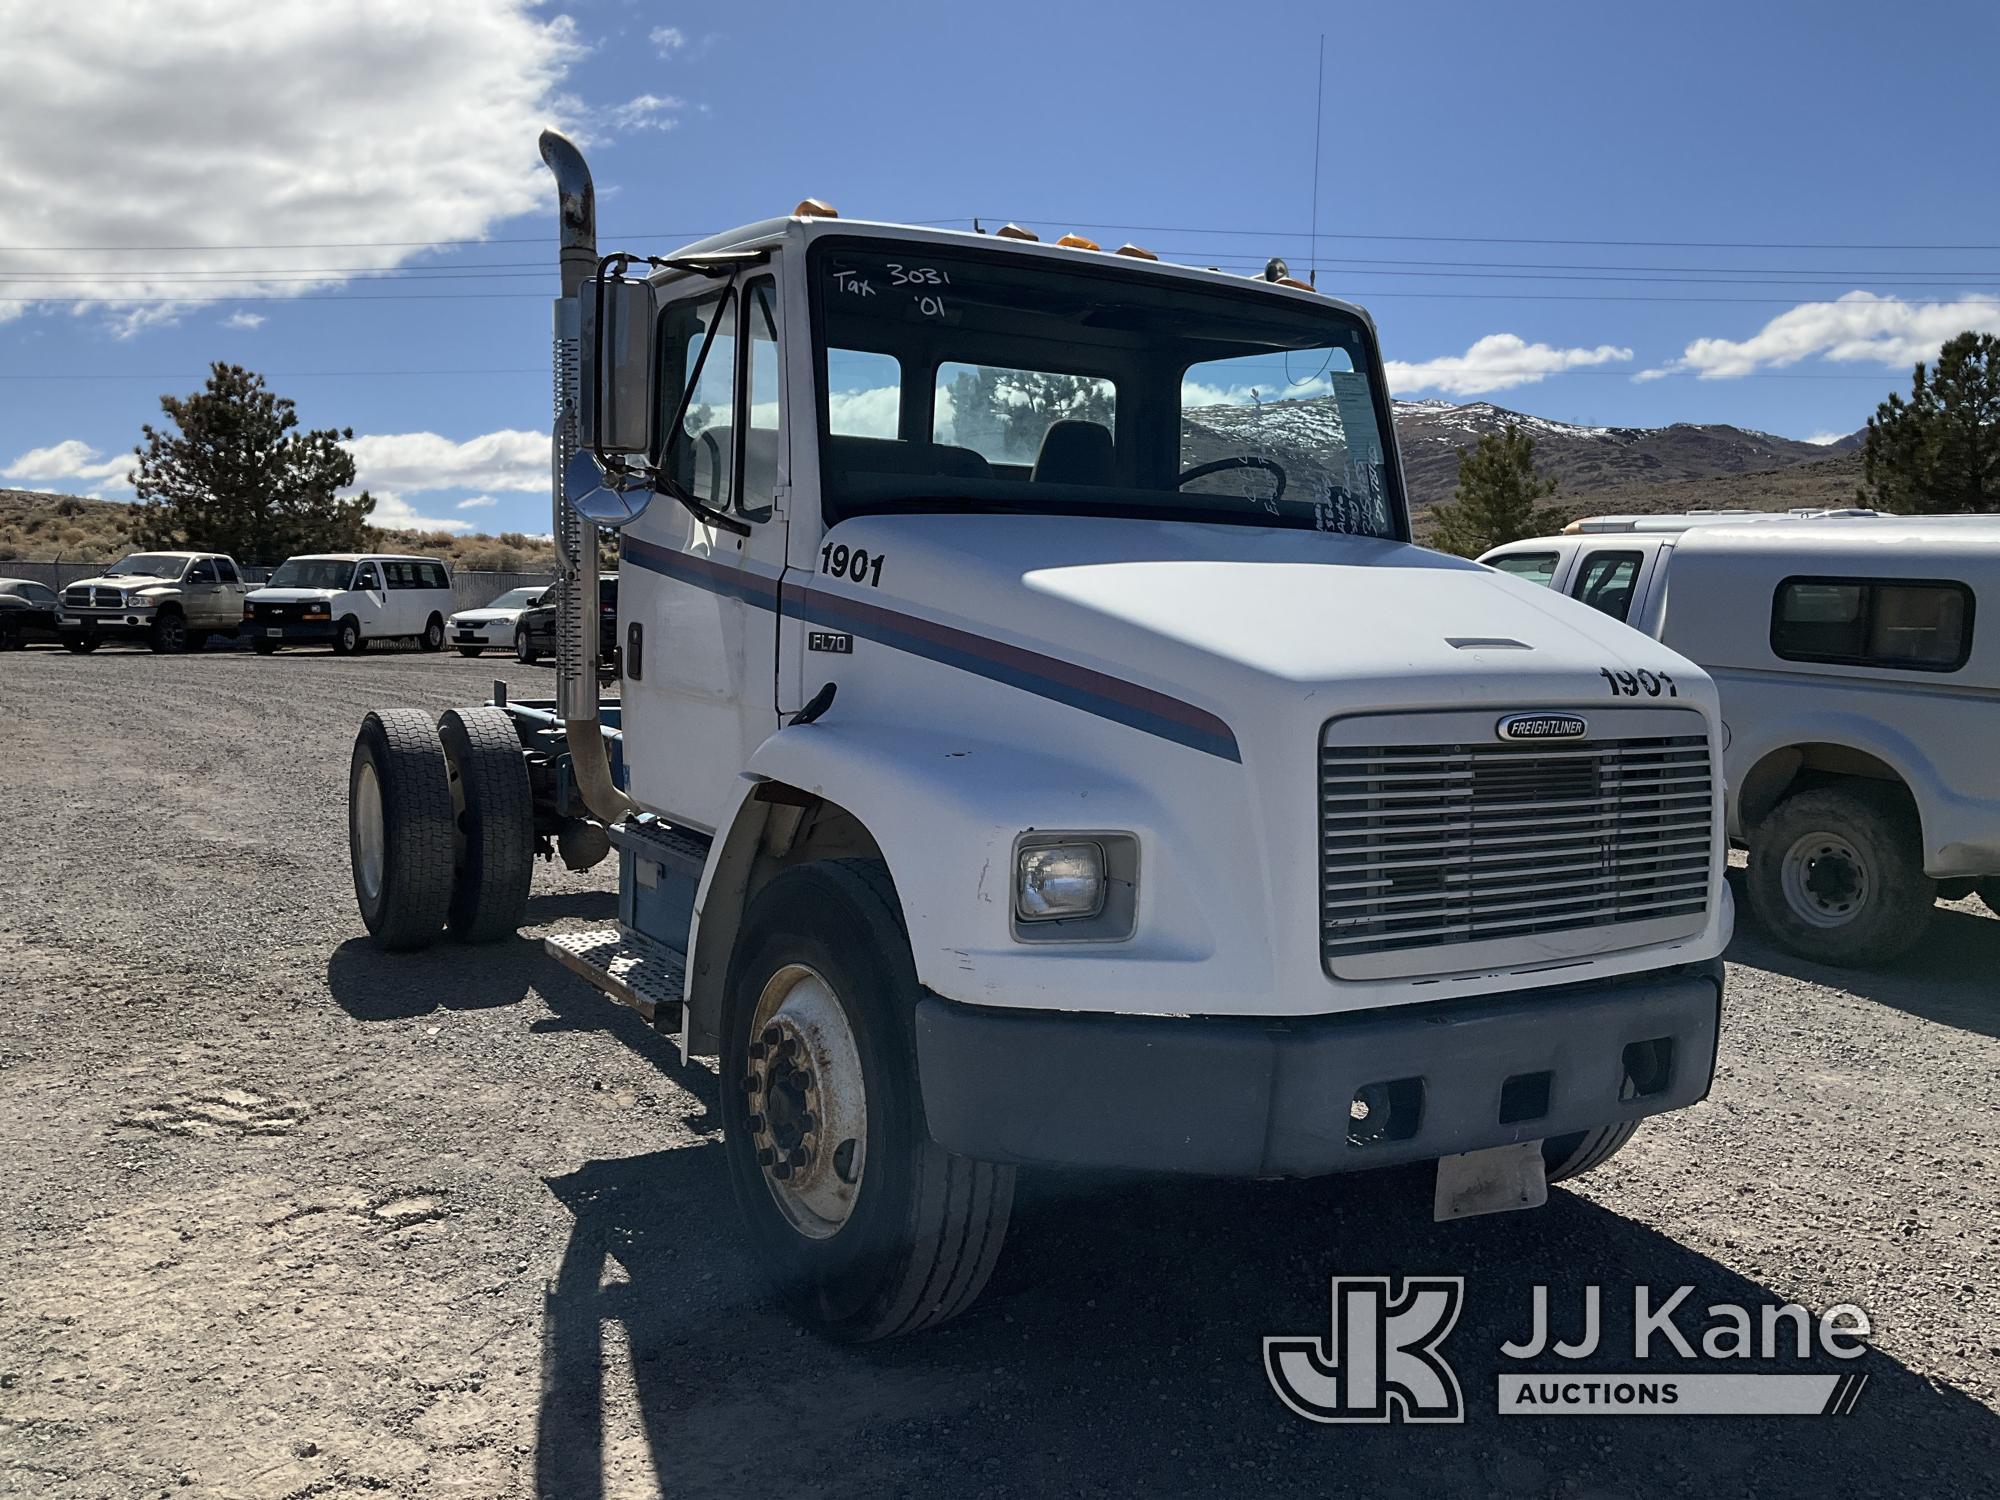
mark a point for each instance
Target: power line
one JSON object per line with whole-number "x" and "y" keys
{"x": 287, "y": 374}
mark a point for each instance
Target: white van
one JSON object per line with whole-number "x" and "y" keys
{"x": 348, "y": 599}
{"x": 1859, "y": 696}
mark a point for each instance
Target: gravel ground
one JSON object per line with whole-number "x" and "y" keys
{"x": 288, "y": 1217}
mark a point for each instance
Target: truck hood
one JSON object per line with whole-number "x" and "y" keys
{"x": 1203, "y": 609}
{"x": 292, "y": 596}
{"x": 490, "y": 616}
{"x": 125, "y": 583}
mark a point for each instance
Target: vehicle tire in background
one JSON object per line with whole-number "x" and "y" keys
{"x": 399, "y": 828}
{"x": 197, "y": 640}
{"x": 495, "y": 809}
{"x": 1837, "y": 875}
{"x": 264, "y": 648}
{"x": 1572, "y": 1155}
{"x": 471, "y": 650}
{"x": 82, "y": 645}
{"x": 10, "y": 635}
{"x": 433, "y": 637}
{"x": 1989, "y": 892}
{"x": 524, "y": 647}
{"x": 170, "y": 633}
{"x": 347, "y": 637}
{"x": 866, "y": 1226}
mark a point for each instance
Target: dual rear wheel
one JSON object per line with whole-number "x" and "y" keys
{"x": 441, "y": 824}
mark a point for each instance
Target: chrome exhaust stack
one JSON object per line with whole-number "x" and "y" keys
{"x": 575, "y": 535}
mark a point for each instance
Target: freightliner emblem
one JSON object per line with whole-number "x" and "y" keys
{"x": 1544, "y": 727}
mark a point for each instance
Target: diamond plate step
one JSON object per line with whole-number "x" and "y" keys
{"x": 676, "y": 848}
{"x": 630, "y": 967}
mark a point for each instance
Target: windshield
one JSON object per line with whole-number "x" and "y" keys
{"x": 983, "y": 381}
{"x": 311, "y": 573}
{"x": 148, "y": 565}
{"x": 516, "y": 599}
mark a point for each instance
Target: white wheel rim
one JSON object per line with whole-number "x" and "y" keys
{"x": 370, "y": 836}
{"x": 808, "y": 1102}
{"x": 1826, "y": 881}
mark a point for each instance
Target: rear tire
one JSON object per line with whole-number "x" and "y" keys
{"x": 264, "y": 648}
{"x": 433, "y": 637}
{"x": 1567, "y": 1156}
{"x": 1837, "y": 875}
{"x": 496, "y": 824}
{"x": 399, "y": 828}
{"x": 866, "y": 1226}
{"x": 170, "y": 633}
{"x": 524, "y": 648}
{"x": 82, "y": 645}
{"x": 347, "y": 639}
{"x": 471, "y": 650}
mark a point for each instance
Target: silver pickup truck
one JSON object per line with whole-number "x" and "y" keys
{"x": 173, "y": 601}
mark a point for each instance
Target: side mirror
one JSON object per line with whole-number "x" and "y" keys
{"x": 620, "y": 316}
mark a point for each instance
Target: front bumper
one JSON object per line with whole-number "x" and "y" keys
{"x": 1256, "y": 1097}
{"x": 109, "y": 626}
{"x": 290, "y": 632}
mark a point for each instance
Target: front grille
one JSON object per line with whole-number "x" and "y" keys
{"x": 1430, "y": 845}
{"x": 84, "y": 597}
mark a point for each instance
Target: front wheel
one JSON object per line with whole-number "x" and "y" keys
{"x": 866, "y": 1226}
{"x": 433, "y": 637}
{"x": 82, "y": 645}
{"x": 1837, "y": 875}
{"x": 170, "y": 633}
{"x": 471, "y": 650}
{"x": 524, "y": 647}
{"x": 1572, "y": 1155}
{"x": 347, "y": 637}
{"x": 264, "y": 648}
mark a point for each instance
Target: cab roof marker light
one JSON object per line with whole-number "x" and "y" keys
{"x": 1078, "y": 242}
{"x": 815, "y": 208}
{"x": 1136, "y": 252}
{"x": 1016, "y": 232}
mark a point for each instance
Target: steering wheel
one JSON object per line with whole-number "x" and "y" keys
{"x": 1240, "y": 461}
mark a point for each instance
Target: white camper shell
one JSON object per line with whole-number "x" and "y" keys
{"x": 1859, "y": 666}
{"x": 347, "y": 599}
{"x": 1032, "y": 747}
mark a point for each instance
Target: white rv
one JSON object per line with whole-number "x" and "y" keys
{"x": 1033, "y": 750}
{"x": 1860, "y": 688}
{"x": 347, "y": 599}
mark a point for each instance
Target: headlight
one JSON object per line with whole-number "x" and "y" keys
{"x": 316, "y": 611}
{"x": 140, "y": 601}
{"x": 1059, "y": 880}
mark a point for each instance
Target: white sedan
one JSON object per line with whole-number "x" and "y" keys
{"x": 492, "y": 627}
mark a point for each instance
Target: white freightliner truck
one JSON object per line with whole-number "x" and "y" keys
{"x": 1039, "y": 743}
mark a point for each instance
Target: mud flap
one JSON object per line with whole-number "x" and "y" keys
{"x": 1491, "y": 1181}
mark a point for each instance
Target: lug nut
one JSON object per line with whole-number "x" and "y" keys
{"x": 782, "y": 1170}
{"x": 808, "y": 1123}
{"x": 771, "y": 1035}
{"x": 758, "y": 1051}
{"x": 751, "y": 1083}
{"x": 800, "y": 1156}
{"x": 756, "y": 1124}
{"x": 803, "y": 1079}
{"x": 766, "y": 1156}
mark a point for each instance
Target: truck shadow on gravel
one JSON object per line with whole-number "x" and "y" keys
{"x": 1118, "y": 1350}
{"x": 1951, "y": 977}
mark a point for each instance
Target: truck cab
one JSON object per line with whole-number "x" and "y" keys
{"x": 1039, "y": 742}
{"x": 171, "y": 601}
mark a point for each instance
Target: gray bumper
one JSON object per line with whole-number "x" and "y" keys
{"x": 1252, "y": 1097}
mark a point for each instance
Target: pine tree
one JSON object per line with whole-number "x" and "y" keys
{"x": 1498, "y": 497}
{"x": 1939, "y": 452}
{"x": 235, "y": 477}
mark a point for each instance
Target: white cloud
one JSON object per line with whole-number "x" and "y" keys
{"x": 668, "y": 39}
{"x": 867, "y": 413}
{"x": 478, "y": 502}
{"x": 1859, "y": 328}
{"x": 244, "y": 320}
{"x": 393, "y": 513}
{"x": 425, "y": 462}
{"x": 70, "y": 463}
{"x": 646, "y": 112}
{"x": 1497, "y": 362}
{"x": 237, "y": 122}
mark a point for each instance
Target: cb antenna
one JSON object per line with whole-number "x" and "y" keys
{"x": 1319, "y": 100}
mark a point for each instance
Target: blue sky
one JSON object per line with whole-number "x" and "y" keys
{"x": 1453, "y": 135}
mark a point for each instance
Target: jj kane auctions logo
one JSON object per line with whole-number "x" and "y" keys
{"x": 1382, "y": 1360}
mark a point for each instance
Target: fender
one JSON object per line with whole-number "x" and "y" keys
{"x": 941, "y": 806}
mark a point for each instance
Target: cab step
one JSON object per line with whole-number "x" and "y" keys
{"x": 630, "y": 967}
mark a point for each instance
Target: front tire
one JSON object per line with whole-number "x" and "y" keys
{"x": 347, "y": 639}
{"x": 400, "y": 828}
{"x": 524, "y": 648}
{"x": 866, "y": 1226}
{"x": 495, "y": 808}
{"x": 82, "y": 645}
{"x": 264, "y": 648}
{"x": 433, "y": 637}
{"x": 471, "y": 650}
{"x": 1567, "y": 1156}
{"x": 1837, "y": 876}
{"x": 170, "y": 633}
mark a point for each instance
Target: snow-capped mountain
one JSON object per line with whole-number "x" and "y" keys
{"x": 1585, "y": 460}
